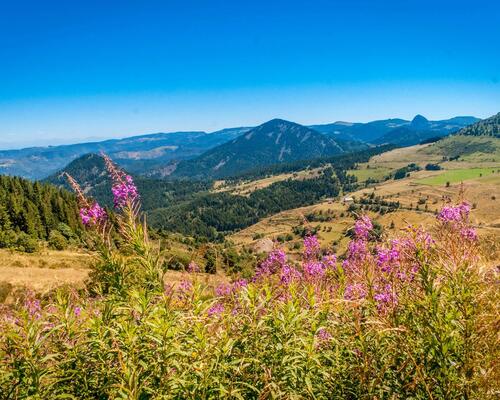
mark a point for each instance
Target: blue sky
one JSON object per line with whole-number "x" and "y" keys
{"x": 83, "y": 69}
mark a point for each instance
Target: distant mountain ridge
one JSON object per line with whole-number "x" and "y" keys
{"x": 389, "y": 130}
{"x": 157, "y": 154}
{"x": 273, "y": 142}
{"x": 137, "y": 153}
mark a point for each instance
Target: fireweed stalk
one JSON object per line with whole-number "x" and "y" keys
{"x": 144, "y": 268}
{"x": 392, "y": 319}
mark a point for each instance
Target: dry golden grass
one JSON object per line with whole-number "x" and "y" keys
{"x": 49, "y": 269}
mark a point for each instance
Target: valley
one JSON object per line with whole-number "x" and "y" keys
{"x": 469, "y": 168}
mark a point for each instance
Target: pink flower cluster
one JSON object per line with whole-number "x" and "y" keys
{"x": 124, "y": 191}
{"x": 93, "y": 215}
{"x": 216, "y": 309}
{"x": 457, "y": 218}
{"x": 454, "y": 213}
{"x": 311, "y": 246}
{"x": 362, "y": 227}
{"x": 193, "y": 268}
{"x": 274, "y": 262}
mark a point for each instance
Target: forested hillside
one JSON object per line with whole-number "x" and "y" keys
{"x": 273, "y": 142}
{"x": 32, "y": 211}
{"x": 213, "y": 215}
{"x": 486, "y": 127}
{"x": 90, "y": 171}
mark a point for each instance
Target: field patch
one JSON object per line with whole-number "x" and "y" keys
{"x": 364, "y": 173}
{"x": 457, "y": 176}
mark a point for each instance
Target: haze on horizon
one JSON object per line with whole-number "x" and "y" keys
{"x": 85, "y": 71}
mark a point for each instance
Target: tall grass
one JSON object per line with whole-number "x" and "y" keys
{"x": 411, "y": 318}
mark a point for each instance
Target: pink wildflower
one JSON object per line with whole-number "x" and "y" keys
{"x": 272, "y": 264}
{"x": 355, "y": 291}
{"x": 330, "y": 261}
{"x": 362, "y": 227}
{"x": 93, "y": 215}
{"x": 124, "y": 192}
{"x": 311, "y": 246}
{"x": 314, "y": 269}
{"x": 289, "y": 274}
{"x": 193, "y": 268}
{"x": 385, "y": 297}
{"x": 469, "y": 234}
{"x": 216, "y": 309}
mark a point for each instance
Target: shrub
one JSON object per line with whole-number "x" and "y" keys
{"x": 432, "y": 167}
{"x": 57, "y": 241}
{"x": 27, "y": 243}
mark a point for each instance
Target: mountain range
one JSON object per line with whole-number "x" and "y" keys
{"x": 224, "y": 152}
{"x": 273, "y": 142}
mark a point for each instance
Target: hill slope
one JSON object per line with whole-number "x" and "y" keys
{"x": 34, "y": 209}
{"x": 479, "y": 142}
{"x": 273, "y": 142}
{"x": 90, "y": 172}
{"x": 137, "y": 153}
{"x": 487, "y": 127}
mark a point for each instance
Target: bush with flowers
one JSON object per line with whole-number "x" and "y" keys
{"x": 415, "y": 317}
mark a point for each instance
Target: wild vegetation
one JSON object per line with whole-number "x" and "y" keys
{"x": 413, "y": 317}
{"x": 32, "y": 212}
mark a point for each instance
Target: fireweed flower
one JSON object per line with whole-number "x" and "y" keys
{"x": 355, "y": 291}
{"x": 314, "y": 269}
{"x": 357, "y": 254}
{"x": 289, "y": 274}
{"x": 323, "y": 337}
{"x": 185, "y": 288}
{"x": 469, "y": 234}
{"x": 387, "y": 259}
{"x": 385, "y": 297}
{"x": 274, "y": 262}
{"x": 223, "y": 290}
{"x": 33, "y": 307}
{"x": 77, "y": 311}
{"x": 124, "y": 190}
{"x": 216, "y": 309}
{"x": 90, "y": 213}
{"x": 311, "y": 246}
{"x": 362, "y": 227}
{"x": 193, "y": 268}
{"x": 239, "y": 284}
{"x": 454, "y": 214}
{"x": 93, "y": 215}
{"x": 330, "y": 261}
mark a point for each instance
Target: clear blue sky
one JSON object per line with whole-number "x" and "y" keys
{"x": 77, "y": 69}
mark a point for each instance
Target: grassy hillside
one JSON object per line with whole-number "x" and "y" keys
{"x": 465, "y": 148}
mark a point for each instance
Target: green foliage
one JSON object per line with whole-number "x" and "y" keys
{"x": 26, "y": 243}
{"x": 486, "y": 127}
{"x": 57, "y": 240}
{"x": 432, "y": 167}
{"x": 404, "y": 172}
{"x": 213, "y": 215}
{"x": 30, "y": 211}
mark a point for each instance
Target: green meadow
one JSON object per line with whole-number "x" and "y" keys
{"x": 457, "y": 175}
